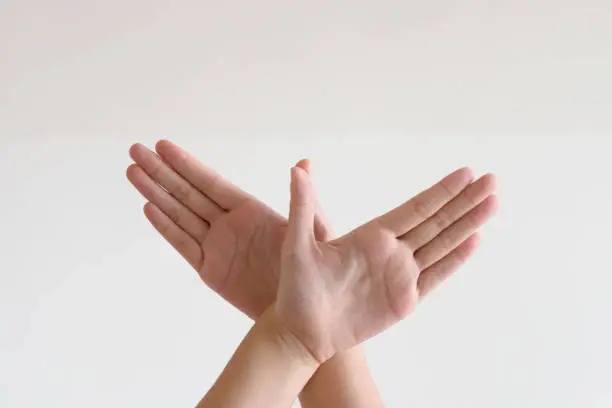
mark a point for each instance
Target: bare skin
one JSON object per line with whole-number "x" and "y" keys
{"x": 333, "y": 295}
{"x": 251, "y": 234}
{"x": 234, "y": 242}
{"x": 268, "y": 370}
{"x": 230, "y": 238}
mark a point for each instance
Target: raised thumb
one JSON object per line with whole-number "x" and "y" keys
{"x": 302, "y": 209}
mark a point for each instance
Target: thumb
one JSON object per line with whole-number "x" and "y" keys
{"x": 322, "y": 228}
{"x": 302, "y": 209}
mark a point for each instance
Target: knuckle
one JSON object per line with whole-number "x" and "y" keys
{"x": 442, "y": 220}
{"x": 420, "y": 207}
{"x": 446, "y": 242}
{"x": 447, "y": 190}
{"x": 164, "y": 227}
{"x": 182, "y": 193}
{"x": 470, "y": 197}
{"x": 213, "y": 182}
{"x": 173, "y": 214}
{"x": 182, "y": 242}
{"x": 461, "y": 256}
{"x": 471, "y": 219}
{"x": 155, "y": 171}
{"x": 202, "y": 232}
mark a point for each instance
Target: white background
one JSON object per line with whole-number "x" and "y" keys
{"x": 386, "y": 97}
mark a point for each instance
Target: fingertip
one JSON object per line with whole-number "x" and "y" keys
{"x": 135, "y": 149}
{"x": 131, "y": 170}
{"x": 304, "y": 164}
{"x": 171, "y": 152}
{"x": 300, "y": 186}
{"x": 493, "y": 203}
{"x": 490, "y": 181}
{"x": 473, "y": 242}
{"x": 150, "y": 210}
{"x": 296, "y": 177}
{"x": 467, "y": 248}
{"x": 299, "y": 173}
{"x": 147, "y": 208}
{"x": 163, "y": 144}
{"x": 459, "y": 178}
{"x": 466, "y": 172}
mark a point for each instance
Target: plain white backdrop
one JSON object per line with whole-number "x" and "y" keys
{"x": 385, "y": 97}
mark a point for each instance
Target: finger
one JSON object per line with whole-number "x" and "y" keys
{"x": 450, "y": 238}
{"x": 410, "y": 214}
{"x": 322, "y": 227}
{"x": 180, "y": 189}
{"x": 302, "y": 210}
{"x": 304, "y": 164}
{"x": 181, "y": 215}
{"x": 469, "y": 198}
{"x": 179, "y": 239}
{"x": 431, "y": 277}
{"x": 213, "y": 185}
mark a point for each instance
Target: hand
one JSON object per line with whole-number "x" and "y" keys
{"x": 232, "y": 239}
{"x": 335, "y": 295}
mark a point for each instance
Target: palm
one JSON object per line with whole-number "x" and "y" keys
{"x": 241, "y": 256}
{"x": 346, "y": 278}
{"x": 384, "y": 264}
{"x": 379, "y": 271}
{"x": 336, "y": 295}
{"x": 232, "y": 239}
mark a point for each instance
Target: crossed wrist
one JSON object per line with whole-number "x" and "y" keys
{"x": 285, "y": 341}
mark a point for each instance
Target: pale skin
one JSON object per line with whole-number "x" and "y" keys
{"x": 335, "y": 295}
{"x": 269, "y": 369}
{"x": 219, "y": 229}
{"x": 198, "y": 212}
{"x": 331, "y": 296}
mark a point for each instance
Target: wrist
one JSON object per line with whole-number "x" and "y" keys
{"x": 285, "y": 341}
{"x": 269, "y": 369}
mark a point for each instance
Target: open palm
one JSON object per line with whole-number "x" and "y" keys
{"x": 334, "y": 295}
{"x": 232, "y": 239}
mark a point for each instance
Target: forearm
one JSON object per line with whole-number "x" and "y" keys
{"x": 342, "y": 382}
{"x": 268, "y": 370}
